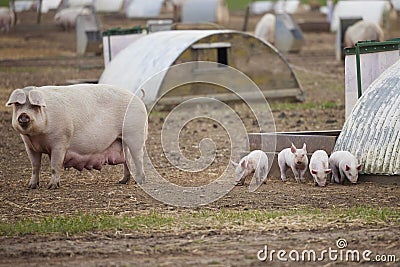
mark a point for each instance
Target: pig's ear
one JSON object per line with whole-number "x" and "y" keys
{"x": 36, "y": 98}
{"x": 234, "y": 163}
{"x": 304, "y": 147}
{"x": 313, "y": 171}
{"x": 347, "y": 167}
{"x": 293, "y": 148}
{"x": 243, "y": 164}
{"x": 359, "y": 167}
{"x": 328, "y": 171}
{"x": 18, "y": 96}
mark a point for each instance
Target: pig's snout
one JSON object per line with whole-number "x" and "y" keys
{"x": 24, "y": 120}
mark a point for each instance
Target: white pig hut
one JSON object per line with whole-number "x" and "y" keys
{"x": 156, "y": 52}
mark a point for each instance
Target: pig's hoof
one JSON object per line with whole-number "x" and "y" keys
{"x": 123, "y": 181}
{"x": 53, "y": 185}
{"x": 33, "y": 185}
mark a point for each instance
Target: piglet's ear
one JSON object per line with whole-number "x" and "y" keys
{"x": 234, "y": 163}
{"x": 36, "y": 98}
{"x": 243, "y": 164}
{"x": 17, "y": 96}
{"x": 359, "y": 167}
{"x": 293, "y": 148}
{"x": 304, "y": 147}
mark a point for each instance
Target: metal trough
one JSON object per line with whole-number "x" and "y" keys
{"x": 314, "y": 140}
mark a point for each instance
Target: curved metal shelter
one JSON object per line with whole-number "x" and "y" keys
{"x": 372, "y": 132}
{"x": 156, "y": 52}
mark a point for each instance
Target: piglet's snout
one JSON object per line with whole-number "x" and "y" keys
{"x": 24, "y": 120}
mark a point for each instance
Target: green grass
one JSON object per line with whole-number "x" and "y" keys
{"x": 303, "y": 105}
{"x": 4, "y": 3}
{"x": 81, "y": 223}
{"x": 302, "y": 218}
{"x": 235, "y": 5}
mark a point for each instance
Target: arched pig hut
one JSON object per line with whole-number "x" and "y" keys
{"x": 158, "y": 51}
{"x": 372, "y": 131}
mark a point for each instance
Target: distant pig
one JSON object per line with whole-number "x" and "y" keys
{"x": 362, "y": 31}
{"x": 66, "y": 18}
{"x": 344, "y": 165}
{"x": 319, "y": 167}
{"x": 79, "y": 126}
{"x": 6, "y": 19}
{"x": 294, "y": 158}
{"x": 256, "y": 161}
{"x": 265, "y": 28}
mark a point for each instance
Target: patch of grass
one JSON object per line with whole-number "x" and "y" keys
{"x": 293, "y": 105}
{"x": 22, "y": 69}
{"x": 303, "y": 105}
{"x": 329, "y": 105}
{"x": 81, "y": 223}
{"x": 235, "y": 5}
{"x": 4, "y": 3}
{"x": 224, "y": 219}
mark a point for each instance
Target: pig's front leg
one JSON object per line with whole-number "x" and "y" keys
{"x": 56, "y": 164}
{"x": 36, "y": 160}
{"x": 335, "y": 174}
{"x": 297, "y": 174}
{"x": 342, "y": 176}
{"x": 302, "y": 172}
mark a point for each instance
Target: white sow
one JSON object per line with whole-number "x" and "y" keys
{"x": 79, "y": 126}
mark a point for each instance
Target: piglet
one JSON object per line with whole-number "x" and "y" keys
{"x": 80, "y": 126}
{"x": 256, "y": 161}
{"x": 319, "y": 167}
{"x": 344, "y": 165}
{"x": 293, "y": 158}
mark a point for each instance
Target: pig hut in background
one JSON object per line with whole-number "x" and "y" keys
{"x": 155, "y": 52}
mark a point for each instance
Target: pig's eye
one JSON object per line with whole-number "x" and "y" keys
{"x": 17, "y": 104}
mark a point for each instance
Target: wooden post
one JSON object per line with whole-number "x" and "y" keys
{"x": 12, "y": 5}
{"x": 39, "y": 14}
{"x": 246, "y": 18}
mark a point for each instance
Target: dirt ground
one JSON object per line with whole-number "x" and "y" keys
{"x": 44, "y": 55}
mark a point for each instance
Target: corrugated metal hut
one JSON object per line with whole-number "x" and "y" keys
{"x": 372, "y": 131}
{"x": 158, "y": 51}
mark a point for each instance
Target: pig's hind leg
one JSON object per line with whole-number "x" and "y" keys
{"x": 283, "y": 167}
{"x": 136, "y": 151}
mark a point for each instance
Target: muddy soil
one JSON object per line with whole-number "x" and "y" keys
{"x": 44, "y": 54}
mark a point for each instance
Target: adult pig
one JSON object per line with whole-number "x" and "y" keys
{"x": 79, "y": 126}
